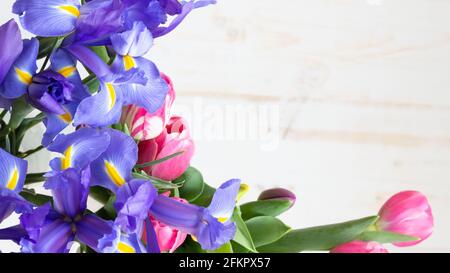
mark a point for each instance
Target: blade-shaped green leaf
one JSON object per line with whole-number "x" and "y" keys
{"x": 20, "y": 109}
{"x": 385, "y": 237}
{"x": 266, "y": 229}
{"x": 272, "y": 207}
{"x": 320, "y": 237}
{"x": 205, "y": 198}
{"x": 242, "y": 236}
{"x": 192, "y": 186}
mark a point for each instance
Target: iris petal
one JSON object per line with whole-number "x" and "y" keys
{"x": 19, "y": 76}
{"x": 11, "y": 45}
{"x": 12, "y": 171}
{"x": 85, "y": 144}
{"x": 47, "y": 18}
{"x": 121, "y": 154}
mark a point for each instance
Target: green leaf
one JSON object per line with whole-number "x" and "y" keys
{"x": 100, "y": 194}
{"x": 225, "y": 248}
{"x": 271, "y": 207}
{"x": 20, "y": 109}
{"x": 266, "y": 229}
{"x": 36, "y": 198}
{"x": 45, "y": 46}
{"x": 205, "y": 198}
{"x": 155, "y": 162}
{"x": 242, "y": 236}
{"x": 385, "y": 237}
{"x": 159, "y": 184}
{"x": 102, "y": 52}
{"x": 193, "y": 184}
{"x": 319, "y": 238}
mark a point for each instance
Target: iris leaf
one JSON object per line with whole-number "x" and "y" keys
{"x": 155, "y": 162}
{"x": 320, "y": 237}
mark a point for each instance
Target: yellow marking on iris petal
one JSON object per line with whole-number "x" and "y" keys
{"x": 222, "y": 219}
{"x": 66, "y": 161}
{"x": 67, "y": 117}
{"x": 67, "y": 71}
{"x": 243, "y": 189}
{"x": 12, "y": 182}
{"x": 71, "y": 9}
{"x": 113, "y": 174}
{"x": 128, "y": 62}
{"x": 125, "y": 248}
{"x": 112, "y": 95}
{"x": 24, "y": 76}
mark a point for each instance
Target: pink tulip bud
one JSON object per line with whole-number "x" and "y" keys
{"x": 407, "y": 213}
{"x": 143, "y": 125}
{"x": 176, "y": 138}
{"x": 169, "y": 239}
{"x": 359, "y": 247}
{"x": 278, "y": 193}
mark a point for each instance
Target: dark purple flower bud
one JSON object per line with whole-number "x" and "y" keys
{"x": 278, "y": 193}
{"x": 49, "y": 91}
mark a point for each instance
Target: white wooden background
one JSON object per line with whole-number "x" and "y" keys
{"x": 362, "y": 88}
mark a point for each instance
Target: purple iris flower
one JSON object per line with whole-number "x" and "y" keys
{"x": 12, "y": 176}
{"x": 119, "y": 242}
{"x": 57, "y": 92}
{"x": 94, "y": 21}
{"x": 136, "y": 85}
{"x": 11, "y": 45}
{"x": 50, "y": 230}
{"x": 211, "y": 226}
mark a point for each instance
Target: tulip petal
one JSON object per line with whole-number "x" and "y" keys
{"x": 48, "y": 17}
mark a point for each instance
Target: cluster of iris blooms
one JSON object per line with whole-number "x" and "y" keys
{"x": 130, "y": 154}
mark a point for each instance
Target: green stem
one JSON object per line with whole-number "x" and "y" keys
{"x": 55, "y": 45}
{"x": 2, "y": 115}
{"x": 12, "y": 142}
{"x": 31, "y": 151}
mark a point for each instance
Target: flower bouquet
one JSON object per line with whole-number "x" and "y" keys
{"x": 107, "y": 113}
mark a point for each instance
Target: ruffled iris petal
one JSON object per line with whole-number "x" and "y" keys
{"x": 63, "y": 63}
{"x": 113, "y": 168}
{"x": 11, "y": 202}
{"x": 118, "y": 242}
{"x": 70, "y": 189}
{"x": 48, "y": 17}
{"x": 133, "y": 201}
{"x": 80, "y": 148}
{"x": 12, "y": 171}
{"x": 56, "y": 123}
{"x": 90, "y": 229}
{"x": 224, "y": 199}
{"x": 20, "y": 75}
{"x": 11, "y": 45}
{"x": 134, "y": 42}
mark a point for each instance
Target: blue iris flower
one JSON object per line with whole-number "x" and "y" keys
{"x": 51, "y": 229}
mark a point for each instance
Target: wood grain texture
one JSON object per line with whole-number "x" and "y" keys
{"x": 362, "y": 89}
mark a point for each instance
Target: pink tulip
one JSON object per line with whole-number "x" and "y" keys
{"x": 143, "y": 125}
{"x": 359, "y": 247}
{"x": 408, "y": 213}
{"x": 169, "y": 239}
{"x": 176, "y": 138}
